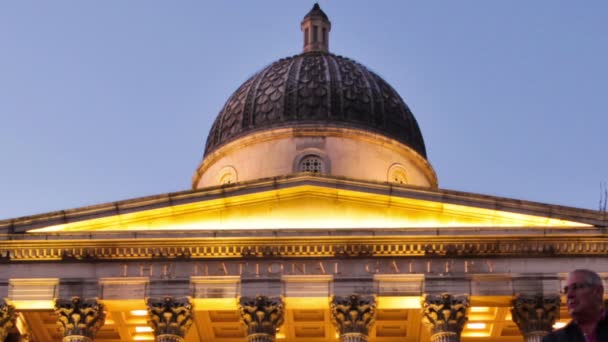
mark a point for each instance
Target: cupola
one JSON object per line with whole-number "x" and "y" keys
{"x": 316, "y": 27}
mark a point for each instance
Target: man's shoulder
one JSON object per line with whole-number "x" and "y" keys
{"x": 555, "y": 336}
{"x": 570, "y": 331}
{"x": 603, "y": 329}
{"x": 561, "y": 335}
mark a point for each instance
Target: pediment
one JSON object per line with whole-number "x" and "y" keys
{"x": 320, "y": 205}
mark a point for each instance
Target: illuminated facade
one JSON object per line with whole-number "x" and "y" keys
{"x": 314, "y": 216}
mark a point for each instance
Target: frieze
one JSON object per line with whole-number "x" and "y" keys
{"x": 336, "y": 268}
{"x": 175, "y": 249}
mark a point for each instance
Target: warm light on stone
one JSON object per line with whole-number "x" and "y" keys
{"x": 314, "y": 215}
{"x": 306, "y": 207}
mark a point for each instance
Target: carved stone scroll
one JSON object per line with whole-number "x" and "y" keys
{"x": 170, "y": 318}
{"x": 535, "y": 315}
{"x": 79, "y": 320}
{"x": 7, "y": 318}
{"x": 445, "y": 316}
{"x": 263, "y": 316}
{"x": 353, "y": 316}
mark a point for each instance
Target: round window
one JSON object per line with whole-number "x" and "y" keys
{"x": 311, "y": 163}
{"x": 397, "y": 174}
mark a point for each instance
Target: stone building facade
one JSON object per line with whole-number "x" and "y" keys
{"x": 314, "y": 216}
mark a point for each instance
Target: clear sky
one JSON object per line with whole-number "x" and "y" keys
{"x": 109, "y": 100}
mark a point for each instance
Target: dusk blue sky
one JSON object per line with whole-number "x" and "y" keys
{"x": 102, "y": 101}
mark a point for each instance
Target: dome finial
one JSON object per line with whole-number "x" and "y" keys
{"x": 316, "y": 27}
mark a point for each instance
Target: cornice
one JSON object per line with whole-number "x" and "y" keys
{"x": 331, "y": 247}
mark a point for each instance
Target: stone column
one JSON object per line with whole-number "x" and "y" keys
{"x": 535, "y": 315}
{"x": 7, "y": 318}
{"x": 170, "y": 318}
{"x": 445, "y": 316}
{"x": 353, "y": 316}
{"x": 263, "y": 316}
{"x": 79, "y": 320}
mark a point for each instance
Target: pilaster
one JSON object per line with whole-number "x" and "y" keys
{"x": 170, "y": 318}
{"x": 445, "y": 316}
{"x": 263, "y": 316}
{"x": 535, "y": 315}
{"x": 79, "y": 320}
{"x": 353, "y": 316}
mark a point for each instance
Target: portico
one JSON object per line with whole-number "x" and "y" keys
{"x": 497, "y": 281}
{"x": 314, "y": 216}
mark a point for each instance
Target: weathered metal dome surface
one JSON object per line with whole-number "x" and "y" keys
{"x": 315, "y": 88}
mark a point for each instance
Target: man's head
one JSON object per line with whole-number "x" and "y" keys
{"x": 584, "y": 292}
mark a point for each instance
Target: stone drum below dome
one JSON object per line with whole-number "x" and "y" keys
{"x": 316, "y": 88}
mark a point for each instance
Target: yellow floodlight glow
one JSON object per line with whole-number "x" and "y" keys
{"x": 139, "y": 312}
{"x": 21, "y": 325}
{"x": 143, "y": 338}
{"x": 477, "y": 329}
{"x": 476, "y": 334}
{"x": 280, "y": 336}
{"x": 306, "y": 303}
{"x": 480, "y": 309}
{"x": 476, "y": 326}
{"x": 399, "y": 302}
{"x": 308, "y": 206}
{"x": 143, "y": 329}
{"x": 559, "y": 325}
{"x": 33, "y": 304}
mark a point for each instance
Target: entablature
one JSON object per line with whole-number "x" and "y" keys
{"x": 304, "y": 247}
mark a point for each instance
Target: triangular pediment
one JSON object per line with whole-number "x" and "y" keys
{"x": 318, "y": 203}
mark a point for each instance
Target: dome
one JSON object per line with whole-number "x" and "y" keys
{"x": 315, "y": 112}
{"x": 316, "y": 87}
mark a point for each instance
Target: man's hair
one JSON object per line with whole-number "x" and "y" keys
{"x": 591, "y": 277}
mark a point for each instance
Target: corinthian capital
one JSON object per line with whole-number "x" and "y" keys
{"x": 535, "y": 314}
{"x": 79, "y": 320}
{"x": 7, "y": 318}
{"x": 262, "y": 315}
{"x": 170, "y": 317}
{"x": 444, "y": 315}
{"x": 353, "y": 316}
